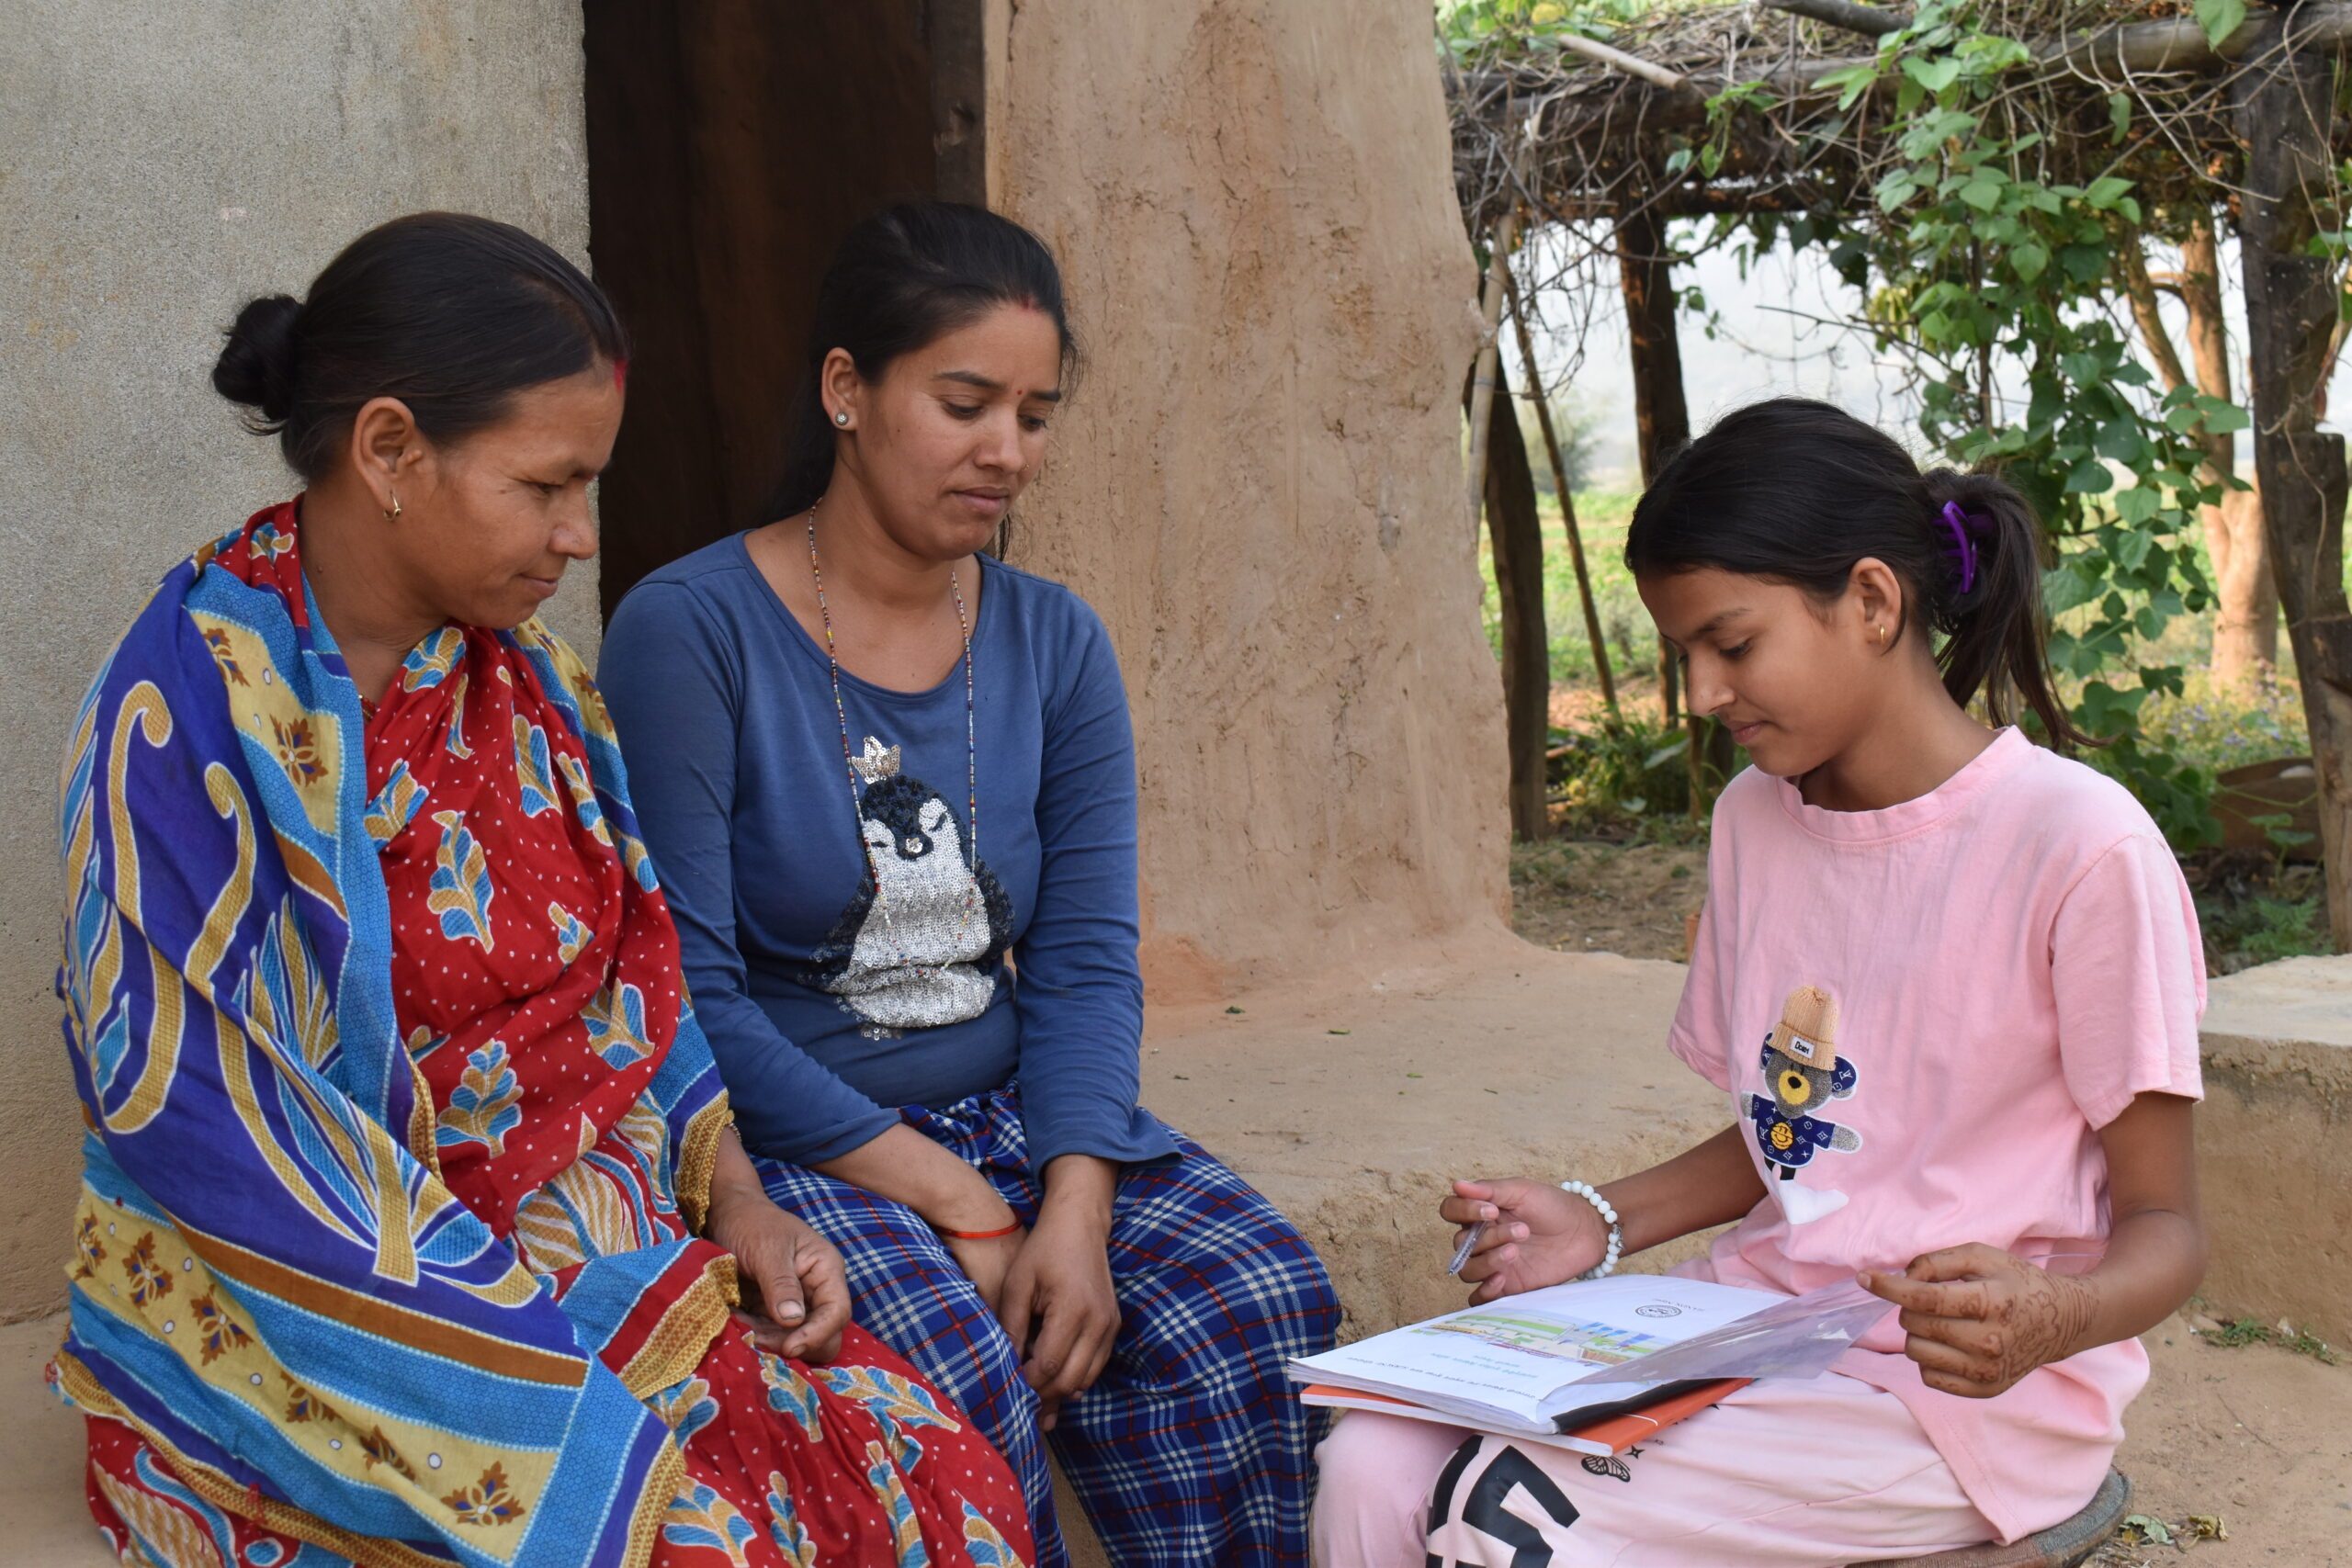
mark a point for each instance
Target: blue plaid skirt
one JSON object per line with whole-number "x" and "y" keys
{"x": 1189, "y": 1451}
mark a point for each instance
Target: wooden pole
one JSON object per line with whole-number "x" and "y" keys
{"x": 1482, "y": 376}
{"x": 1516, "y": 532}
{"x": 1661, "y": 415}
{"x": 1657, "y": 75}
{"x": 1568, "y": 500}
{"x": 2286, "y": 101}
{"x": 1868, "y": 19}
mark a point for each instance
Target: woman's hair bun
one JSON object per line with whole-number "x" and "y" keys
{"x": 256, "y": 365}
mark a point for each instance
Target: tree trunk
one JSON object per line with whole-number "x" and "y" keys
{"x": 1517, "y": 533}
{"x": 2285, "y": 100}
{"x": 1661, "y": 416}
{"x": 2245, "y": 612}
{"x": 1662, "y": 427}
{"x": 2245, "y": 617}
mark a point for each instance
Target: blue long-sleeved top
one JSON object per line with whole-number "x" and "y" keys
{"x": 831, "y": 995}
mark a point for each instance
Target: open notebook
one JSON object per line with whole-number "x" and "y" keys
{"x": 1552, "y": 1361}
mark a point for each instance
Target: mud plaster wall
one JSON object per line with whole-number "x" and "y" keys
{"x": 158, "y": 164}
{"x": 1258, "y": 481}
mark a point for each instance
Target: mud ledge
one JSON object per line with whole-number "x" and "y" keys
{"x": 2274, "y": 1144}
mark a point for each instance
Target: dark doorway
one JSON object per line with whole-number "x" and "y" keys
{"x": 730, "y": 145}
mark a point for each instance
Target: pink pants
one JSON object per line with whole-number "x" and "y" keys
{"x": 1784, "y": 1475}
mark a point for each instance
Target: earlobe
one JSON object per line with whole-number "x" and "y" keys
{"x": 837, "y": 386}
{"x": 384, "y": 443}
{"x": 1879, "y": 598}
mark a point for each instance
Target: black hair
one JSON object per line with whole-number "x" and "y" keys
{"x": 1798, "y": 491}
{"x": 902, "y": 279}
{"x": 450, "y": 314}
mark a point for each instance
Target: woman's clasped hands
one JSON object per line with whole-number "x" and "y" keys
{"x": 1049, "y": 1284}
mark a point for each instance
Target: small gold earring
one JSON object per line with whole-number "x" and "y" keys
{"x": 1882, "y": 633}
{"x": 393, "y": 512}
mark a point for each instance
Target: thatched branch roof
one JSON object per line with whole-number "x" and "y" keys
{"x": 1570, "y": 137}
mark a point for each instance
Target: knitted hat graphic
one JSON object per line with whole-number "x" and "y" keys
{"x": 1807, "y": 1032}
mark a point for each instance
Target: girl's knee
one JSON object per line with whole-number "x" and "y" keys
{"x": 1372, "y": 1489}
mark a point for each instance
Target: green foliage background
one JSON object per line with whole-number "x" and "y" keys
{"x": 1983, "y": 275}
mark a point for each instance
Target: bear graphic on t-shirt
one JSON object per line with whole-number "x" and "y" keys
{"x": 1803, "y": 1073}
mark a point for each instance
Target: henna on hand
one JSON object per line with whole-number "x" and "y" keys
{"x": 1978, "y": 1319}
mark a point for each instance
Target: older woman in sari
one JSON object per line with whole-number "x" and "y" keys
{"x": 412, "y": 1228}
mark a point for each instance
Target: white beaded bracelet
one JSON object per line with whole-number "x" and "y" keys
{"x": 1590, "y": 1194}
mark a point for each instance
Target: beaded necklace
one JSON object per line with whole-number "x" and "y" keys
{"x": 879, "y": 763}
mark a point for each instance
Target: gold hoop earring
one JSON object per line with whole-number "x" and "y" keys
{"x": 393, "y": 512}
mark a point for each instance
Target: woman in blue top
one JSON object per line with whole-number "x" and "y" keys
{"x": 890, "y": 785}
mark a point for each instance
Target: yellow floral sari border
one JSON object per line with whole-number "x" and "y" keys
{"x": 698, "y": 1158}
{"x": 664, "y": 1480}
{"x": 226, "y": 1495}
{"x": 680, "y": 1341}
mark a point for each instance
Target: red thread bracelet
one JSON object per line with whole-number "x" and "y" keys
{"x": 978, "y": 1236}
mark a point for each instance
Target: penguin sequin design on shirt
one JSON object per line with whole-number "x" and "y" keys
{"x": 920, "y": 944}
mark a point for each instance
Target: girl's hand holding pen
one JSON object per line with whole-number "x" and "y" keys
{"x": 1528, "y": 1234}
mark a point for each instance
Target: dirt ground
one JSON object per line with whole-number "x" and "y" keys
{"x": 2258, "y": 1437}
{"x": 1592, "y": 896}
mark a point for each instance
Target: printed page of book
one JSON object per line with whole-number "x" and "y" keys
{"x": 1510, "y": 1360}
{"x": 1796, "y": 1337}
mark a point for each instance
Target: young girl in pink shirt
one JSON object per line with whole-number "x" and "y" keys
{"x": 1948, "y": 982}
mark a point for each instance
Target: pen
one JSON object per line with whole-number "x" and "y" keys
{"x": 1469, "y": 1244}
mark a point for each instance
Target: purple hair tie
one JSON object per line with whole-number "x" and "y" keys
{"x": 1962, "y": 546}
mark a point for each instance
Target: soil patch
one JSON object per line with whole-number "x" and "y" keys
{"x": 2258, "y": 1437}
{"x": 1599, "y": 895}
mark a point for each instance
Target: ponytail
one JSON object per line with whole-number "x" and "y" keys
{"x": 1989, "y": 606}
{"x": 1798, "y": 491}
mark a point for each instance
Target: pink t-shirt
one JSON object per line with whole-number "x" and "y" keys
{"x": 1923, "y": 1015}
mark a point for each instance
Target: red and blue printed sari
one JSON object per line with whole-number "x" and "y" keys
{"x": 400, "y": 1130}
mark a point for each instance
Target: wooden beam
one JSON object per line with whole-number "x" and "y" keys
{"x": 1661, "y": 413}
{"x": 2180, "y": 44}
{"x": 1846, "y": 15}
{"x": 1486, "y": 367}
{"x": 955, "y": 30}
